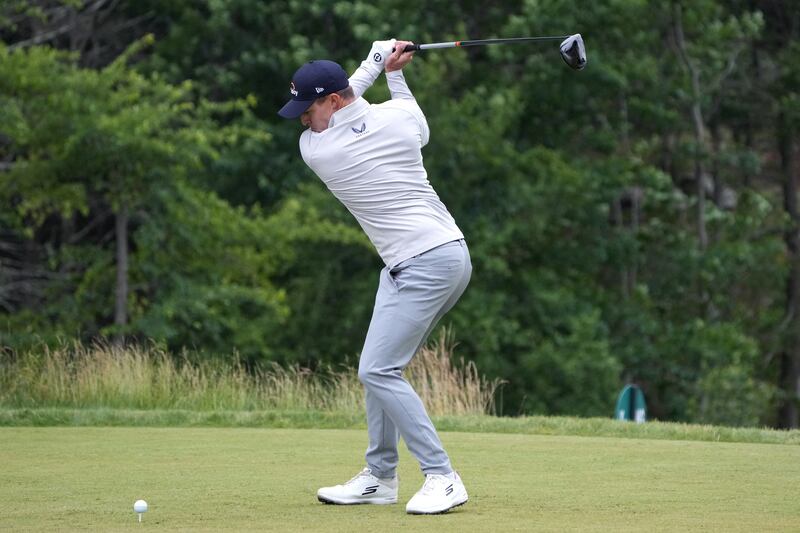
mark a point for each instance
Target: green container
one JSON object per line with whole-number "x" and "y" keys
{"x": 631, "y": 405}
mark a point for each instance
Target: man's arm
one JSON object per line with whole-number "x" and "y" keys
{"x": 394, "y": 71}
{"x": 369, "y": 70}
{"x": 399, "y": 89}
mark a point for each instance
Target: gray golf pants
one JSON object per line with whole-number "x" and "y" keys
{"x": 411, "y": 299}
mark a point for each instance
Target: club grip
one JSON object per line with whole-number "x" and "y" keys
{"x": 410, "y": 48}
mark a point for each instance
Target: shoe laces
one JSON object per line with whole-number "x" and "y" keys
{"x": 364, "y": 473}
{"x": 431, "y": 482}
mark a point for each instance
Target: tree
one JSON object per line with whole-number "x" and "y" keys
{"x": 97, "y": 30}
{"x": 787, "y": 125}
{"x": 629, "y": 222}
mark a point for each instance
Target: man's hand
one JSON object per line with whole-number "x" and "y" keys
{"x": 399, "y": 59}
{"x": 371, "y": 68}
{"x": 378, "y": 53}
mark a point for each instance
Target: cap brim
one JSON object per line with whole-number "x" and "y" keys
{"x": 295, "y": 108}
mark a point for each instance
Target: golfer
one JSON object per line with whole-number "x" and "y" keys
{"x": 370, "y": 158}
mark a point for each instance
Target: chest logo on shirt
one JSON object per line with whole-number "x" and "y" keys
{"x": 360, "y": 131}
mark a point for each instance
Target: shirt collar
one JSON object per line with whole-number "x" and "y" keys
{"x": 349, "y": 112}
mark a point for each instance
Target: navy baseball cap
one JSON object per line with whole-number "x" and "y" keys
{"x": 313, "y": 80}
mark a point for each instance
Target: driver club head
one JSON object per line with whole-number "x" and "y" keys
{"x": 573, "y": 52}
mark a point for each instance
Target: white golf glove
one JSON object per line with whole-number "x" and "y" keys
{"x": 377, "y": 56}
{"x": 369, "y": 70}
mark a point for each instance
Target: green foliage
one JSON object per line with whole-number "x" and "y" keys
{"x": 94, "y": 141}
{"x": 573, "y": 371}
{"x": 727, "y": 393}
{"x": 576, "y": 192}
{"x": 214, "y": 263}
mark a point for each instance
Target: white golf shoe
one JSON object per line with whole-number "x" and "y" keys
{"x": 439, "y": 494}
{"x": 363, "y": 488}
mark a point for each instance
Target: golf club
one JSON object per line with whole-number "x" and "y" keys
{"x": 572, "y": 48}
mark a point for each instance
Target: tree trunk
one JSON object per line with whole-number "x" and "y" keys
{"x": 636, "y": 208}
{"x": 700, "y": 190}
{"x": 699, "y": 127}
{"x": 121, "y": 307}
{"x": 752, "y": 111}
{"x": 789, "y": 379}
{"x": 716, "y": 172}
{"x": 619, "y": 221}
{"x": 625, "y": 123}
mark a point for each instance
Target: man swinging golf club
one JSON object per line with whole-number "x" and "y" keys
{"x": 369, "y": 157}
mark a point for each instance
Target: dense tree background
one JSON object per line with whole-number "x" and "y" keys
{"x": 634, "y": 222}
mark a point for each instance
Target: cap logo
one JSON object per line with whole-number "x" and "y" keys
{"x": 292, "y": 89}
{"x": 318, "y": 89}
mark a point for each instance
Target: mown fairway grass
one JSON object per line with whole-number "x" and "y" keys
{"x": 247, "y": 479}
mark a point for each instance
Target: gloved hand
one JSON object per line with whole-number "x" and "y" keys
{"x": 369, "y": 70}
{"x": 377, "y": 56}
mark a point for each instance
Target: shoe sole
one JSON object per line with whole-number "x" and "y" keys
{"x": 438, "y": 512}
{"x": 328, "y": 501}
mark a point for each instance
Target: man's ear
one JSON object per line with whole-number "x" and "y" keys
{"x": 336, "y": 101}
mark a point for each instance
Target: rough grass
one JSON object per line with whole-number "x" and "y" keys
{"x": 103, "y": 385}
{"x": 139, "y": 377}
{"x": 224, "y": 479}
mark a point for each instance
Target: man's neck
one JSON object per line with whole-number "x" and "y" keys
{"x": 347, "y": 102}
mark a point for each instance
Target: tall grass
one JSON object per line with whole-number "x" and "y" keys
{"x": 139, "y": 377}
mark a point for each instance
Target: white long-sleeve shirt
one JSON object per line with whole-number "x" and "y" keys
{"x": 370, "y": 158}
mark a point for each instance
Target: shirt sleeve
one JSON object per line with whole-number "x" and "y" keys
{"x": 305, "y": 147}
{"x": 423, "y": 124}
{"x": 400, "y": 91}
{"x": 363, "y": 78}
{"x": 398, "y": 87}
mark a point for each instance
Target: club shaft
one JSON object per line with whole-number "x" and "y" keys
{"x": 480, "y": 42}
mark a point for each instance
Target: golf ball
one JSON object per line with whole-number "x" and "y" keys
{"x": 140, "y": 506}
